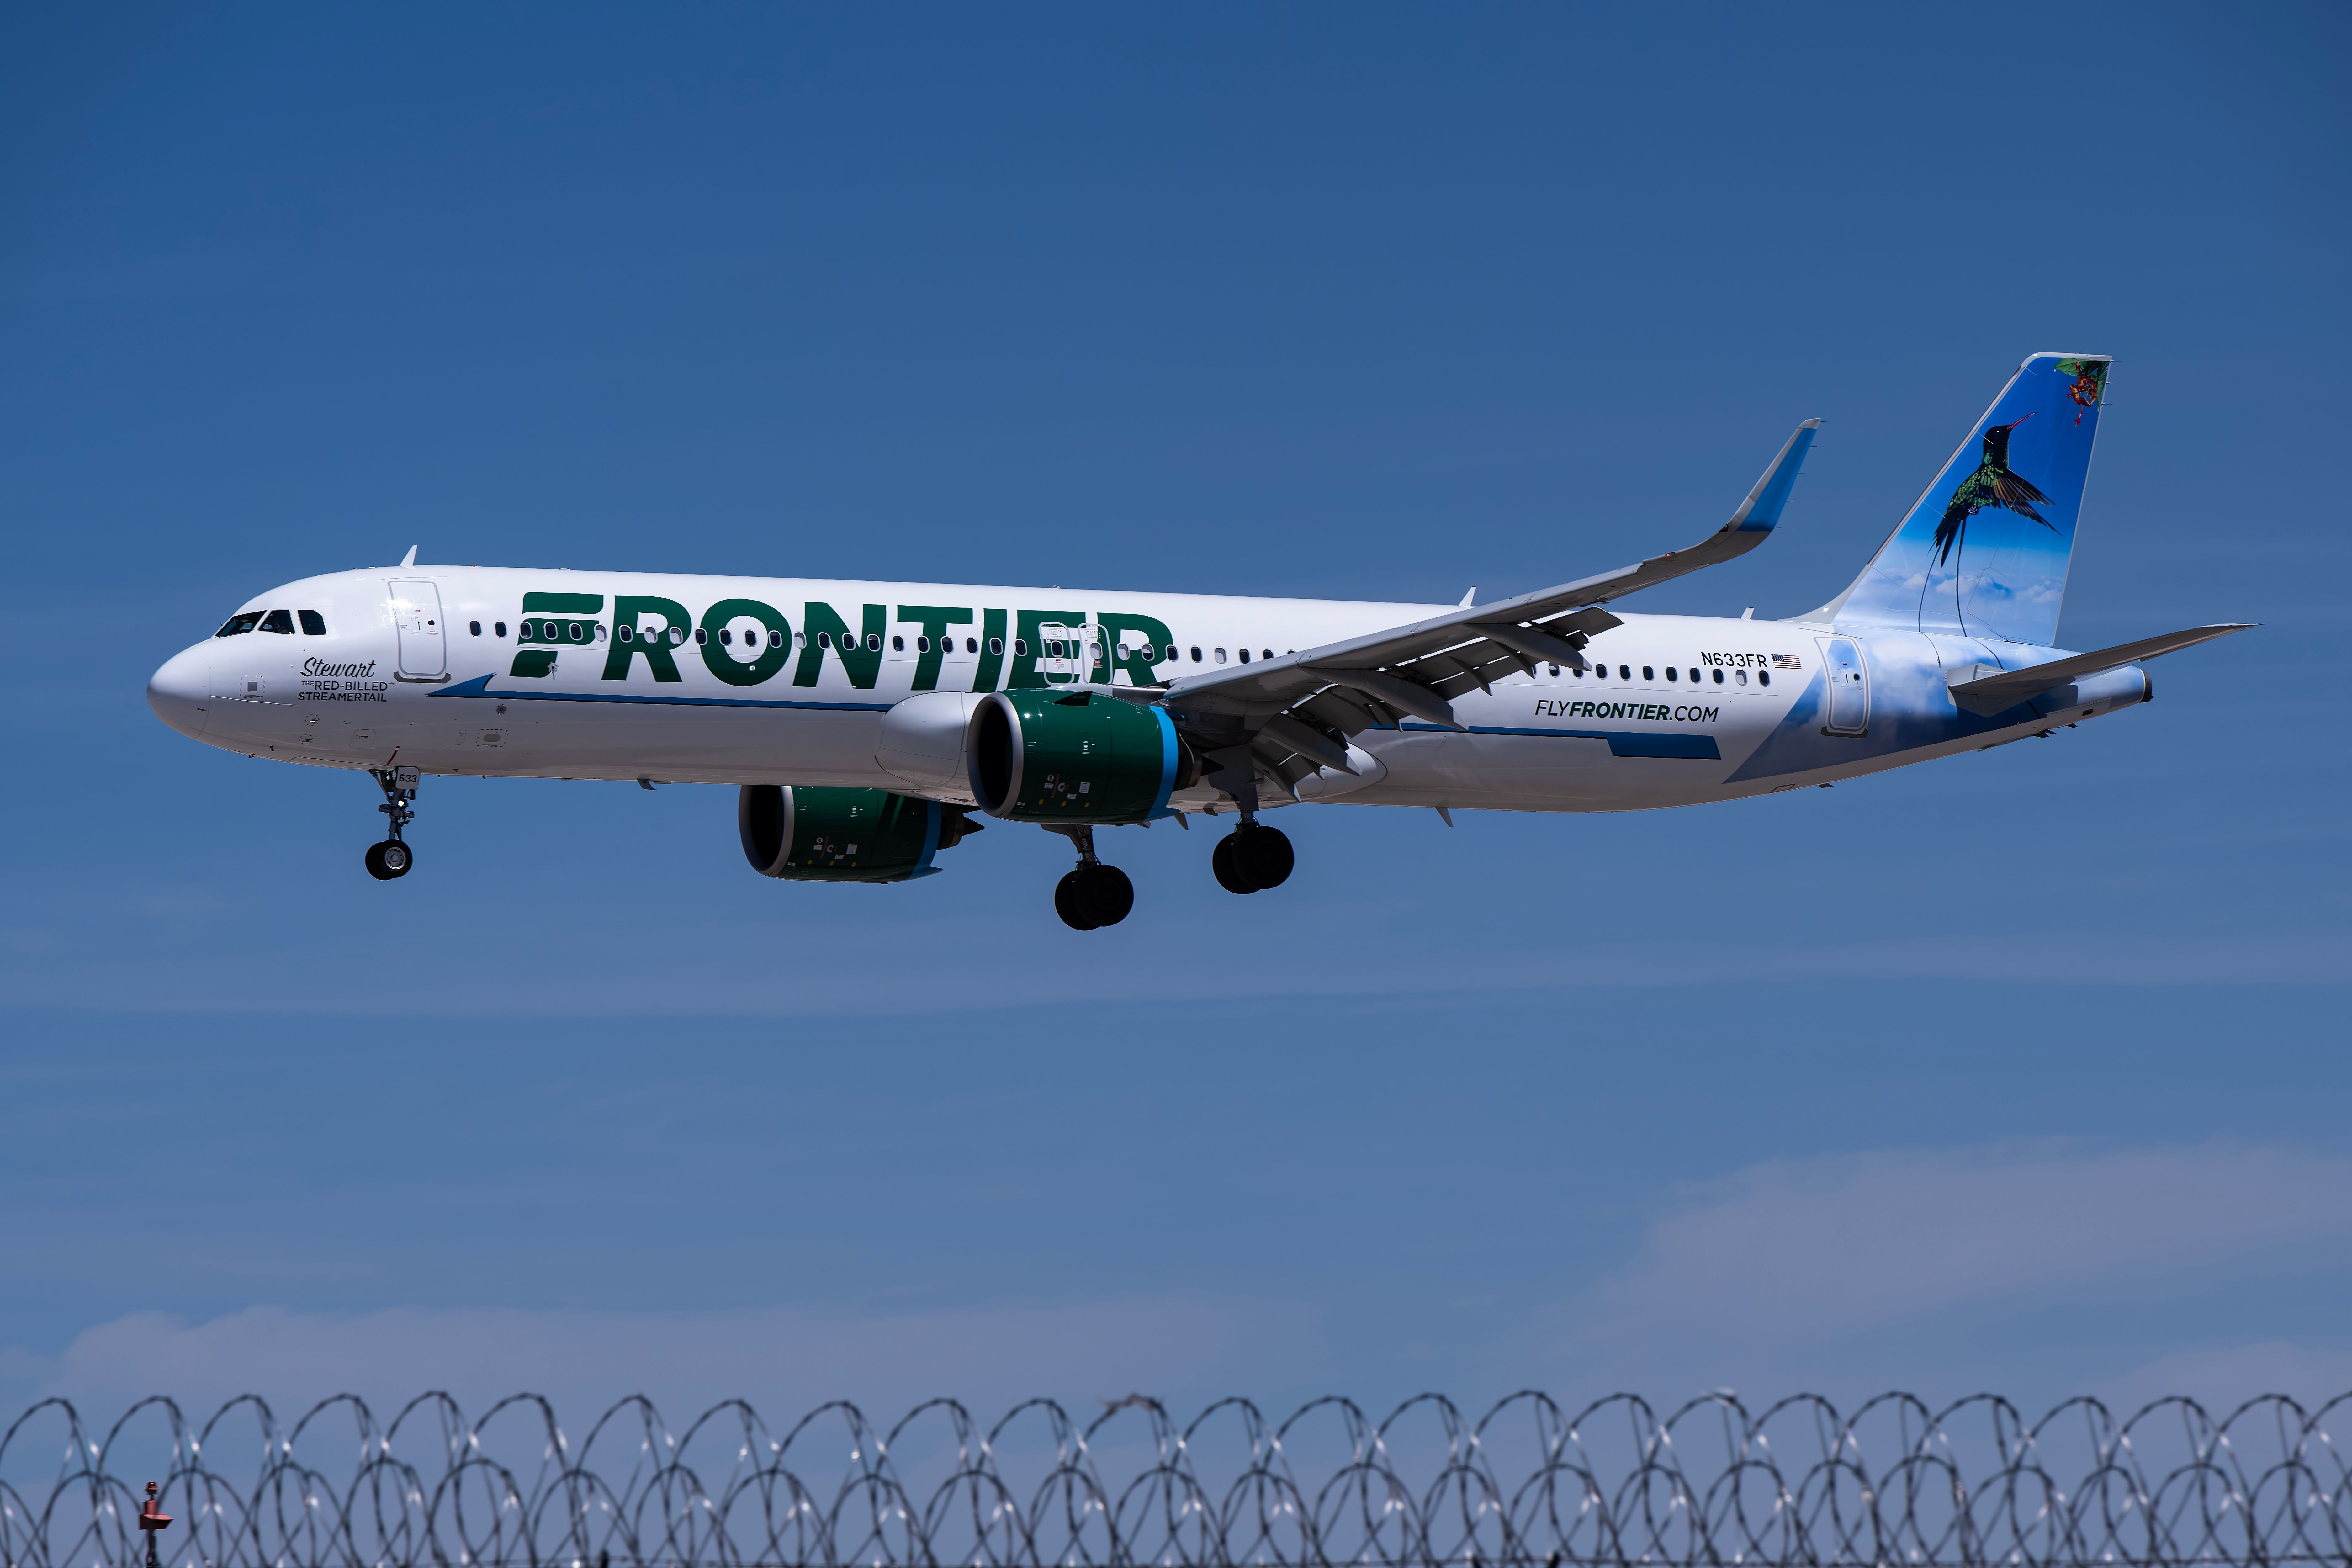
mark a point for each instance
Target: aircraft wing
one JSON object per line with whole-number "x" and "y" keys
{"x": 1997, "y": 692}
{"x": 1296, "y": 713}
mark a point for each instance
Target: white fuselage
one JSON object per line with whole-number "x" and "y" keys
{"x": 737, "y": 681}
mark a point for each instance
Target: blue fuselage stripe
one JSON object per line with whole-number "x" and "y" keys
{"x": 481, "y": 687}
{"x": 1622, "y": 742}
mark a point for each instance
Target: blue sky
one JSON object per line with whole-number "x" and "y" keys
{"x": 2022, "y": 1071}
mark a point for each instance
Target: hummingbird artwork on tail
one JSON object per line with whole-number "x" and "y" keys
{"x": 1992, "y": 484}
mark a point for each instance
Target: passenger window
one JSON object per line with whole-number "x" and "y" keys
{"x": 279, "y": 621}
{"x": 1221, "y": 655}
{"x": 1555, "y": 672}
{"x": 922, "y": 645}
{"x": 1647, "y": 674}
{"x": 898, "y": 645}
{"x": 474, "y": 626}
{"x": 1021, "y": 648}
{"x": 775, "y": 639}
{"x": 1670, "y": 672}
{"x": 1741, "y": 676}
{"x": 1266, "y": 652}
{"x": 237, "y": 625}
{"x": 824, "y": 639}
{"x": 1718, "y": 678}
{"x": 1579, "y": 672}
{"x": 1196, "y": 656}
{"x": 873, "y": 642}
{"x": 1171, "y": 656}
{"x": 1624, "y": 672}
{"x": 1763, "y": 678}
{"x": 500, "y": 627}
{"x": 313, "y": 624}
{"x": 1694, "y": 674}
{"x": 1244, "y": 656}
{"x": 995, "y": 645}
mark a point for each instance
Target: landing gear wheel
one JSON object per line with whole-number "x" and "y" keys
{"x": 1066, "y": 902}
{"x": 1093, "y": 896}
{"x": 1105, "y": 894}
{"x": 1220, "y": 862}
{"x": 388, "y": 860}
{"x": 1261, "y": 856}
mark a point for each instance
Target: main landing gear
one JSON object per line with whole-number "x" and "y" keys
{"x": 1093, "y": 894}
{"x": 1252, "y": 858}
{"x": 393, "y": 858}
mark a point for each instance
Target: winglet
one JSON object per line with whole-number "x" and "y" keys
{"x": 1761, "y": 510}
{"x": 409, "y": 559}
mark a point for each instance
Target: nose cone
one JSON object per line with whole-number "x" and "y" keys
{"x": 181, "y": 691}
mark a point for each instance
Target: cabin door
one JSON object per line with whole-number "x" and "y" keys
{"x": 1849, "y": 681}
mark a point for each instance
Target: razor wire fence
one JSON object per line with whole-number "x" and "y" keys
{"x": 1613, "y": 1485}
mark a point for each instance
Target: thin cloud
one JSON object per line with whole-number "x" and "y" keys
{"x": 787, "y": 1359}
{"x": 1782, "y": 1264}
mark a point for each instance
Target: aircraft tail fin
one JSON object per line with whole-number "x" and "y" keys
{"x": 1984, "y": 549}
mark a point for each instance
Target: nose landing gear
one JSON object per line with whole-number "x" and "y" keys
{"x": 393, "y": 858}
{"x": 1093, "y": 894}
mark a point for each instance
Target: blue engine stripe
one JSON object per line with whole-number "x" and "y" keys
{"x": 930, "y": 839}
{"x": 1167, "y": 762}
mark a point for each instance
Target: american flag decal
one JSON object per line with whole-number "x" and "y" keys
{"x": 1787, "y": 661}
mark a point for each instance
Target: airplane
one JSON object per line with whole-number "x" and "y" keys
{"x": 868, "y": 726}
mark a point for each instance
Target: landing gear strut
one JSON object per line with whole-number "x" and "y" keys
{"x": 393, "y": 858}
{"x": 1093, "y": 894}
{"x": 1252, "y": 857}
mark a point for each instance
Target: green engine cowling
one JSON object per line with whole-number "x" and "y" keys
{"x": 802, "y": 833}
{"x": 1075, "y": 756}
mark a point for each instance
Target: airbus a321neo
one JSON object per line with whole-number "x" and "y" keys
{"x": 868, "y": 725}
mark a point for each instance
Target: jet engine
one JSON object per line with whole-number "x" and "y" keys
{"x": 810, "y": 834}
{"x": 1074, "y": 757}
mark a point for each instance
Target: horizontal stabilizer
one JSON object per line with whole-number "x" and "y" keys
{"x": 1995, "y": 693}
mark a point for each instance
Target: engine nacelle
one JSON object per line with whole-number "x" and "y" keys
{"x": 811, "y": 834}
{"x": 1073, "y": 756}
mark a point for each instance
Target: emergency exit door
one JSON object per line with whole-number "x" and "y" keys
{"x": 423, "y": 642}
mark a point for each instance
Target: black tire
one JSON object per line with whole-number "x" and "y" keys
{"x": 1220, "y": 862}
{"x": 1262, "y": 855}
{"x": 390, "y": 859}
{"x": 1069, "y": 903}
{"x": 1105, "y": 894}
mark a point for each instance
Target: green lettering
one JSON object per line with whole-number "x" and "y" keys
{"x": 562, "y": 603}
{"x": 1138, "y": 664}
{"x": 771, "y": 658}
{"x": 992, "y": 650}
{"x": 933, "y": 619}
{"x": 863, "y": 665}
{"x": 629, "y": 611}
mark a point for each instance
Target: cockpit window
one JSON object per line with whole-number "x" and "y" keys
{"x": 313, "y": 624}
{"x": 239, "y": 625}
{"x": 279, "y": 621}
